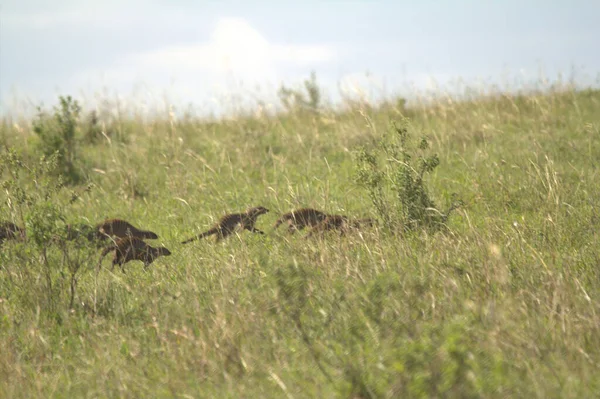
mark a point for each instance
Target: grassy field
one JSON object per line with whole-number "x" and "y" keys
{"x": 504, "y": 302}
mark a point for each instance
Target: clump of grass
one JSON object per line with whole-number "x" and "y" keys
{"x": 308, "y": 98}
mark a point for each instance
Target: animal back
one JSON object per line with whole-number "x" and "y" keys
{"x": 122, "y": 228}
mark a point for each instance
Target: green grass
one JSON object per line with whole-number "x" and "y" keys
{"x": 504, "y": 303}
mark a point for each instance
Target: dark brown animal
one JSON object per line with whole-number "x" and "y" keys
{"x": 340, "y": 223}
{"x": 301, "y": 218}
{"x": 229, "y": 223}
{"x": 132, "y": 248}
{"x": 120, "y": 228}
{"x": 10, "y": 231}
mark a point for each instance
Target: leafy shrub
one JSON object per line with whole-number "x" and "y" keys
{"x": 58, "y": 134}
{"x": 295, "y": 99}
{"x": 34, "y": 195}
{"x": 393, "y": 173}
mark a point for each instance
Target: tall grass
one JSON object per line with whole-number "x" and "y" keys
{"x": 504, "y": 302}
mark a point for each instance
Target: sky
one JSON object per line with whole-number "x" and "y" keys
{"x": 206, "y": 54}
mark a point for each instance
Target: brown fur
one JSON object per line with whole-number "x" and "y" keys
{"x": 120, "y": 228}
{"x": 10, "y": 231}
{"x": 301, "y": 218}
{"x": 132, "y": 248}
{"x": 229, "y": 223}
{"x": 340, "y": 223}
{"x": 364, "y": 222}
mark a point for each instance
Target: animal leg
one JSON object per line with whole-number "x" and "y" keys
{"x": 291, "y": 228}
{"x": 147, "y": 263}
{"x": 122, "y": 264}
{"x": 222, "y": 234}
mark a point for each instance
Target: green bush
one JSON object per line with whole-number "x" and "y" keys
{"x": 58, "y": 134}
{"x": 393, "y": 173}
{"x": 34, "y": 195}
{"x": 298, "y": 100}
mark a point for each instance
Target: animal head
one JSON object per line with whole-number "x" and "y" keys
{"x": 335, "y": 219}
{"x": 164, "y": 251}
{"x": 367, "y": 222}
{"x": 258, "y": 210}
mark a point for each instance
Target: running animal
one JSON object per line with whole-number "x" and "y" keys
{"x": 132, "y": 248}
{"x": 120, "y": 228}
{"x": 301, "y": 218}
{"x": 340, "y": 223}
{"x": 229, "y": 223}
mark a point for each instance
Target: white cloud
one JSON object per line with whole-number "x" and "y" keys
{"x": 236, "y": 63}
{"x": 234, "y": 48}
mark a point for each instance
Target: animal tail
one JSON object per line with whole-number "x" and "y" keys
{"x": 212, "y": 231}
{"x": 147, "y": 234}
{"x": 103, "y": 254}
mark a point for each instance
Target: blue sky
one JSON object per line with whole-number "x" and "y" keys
{"x": 201, "y": 51}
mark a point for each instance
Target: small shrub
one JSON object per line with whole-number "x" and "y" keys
{"x": 58, "y": 135}
{"x": 295, "y": 99}
{"x": 35, "y": 196}
{"x": 393, "y": 173}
